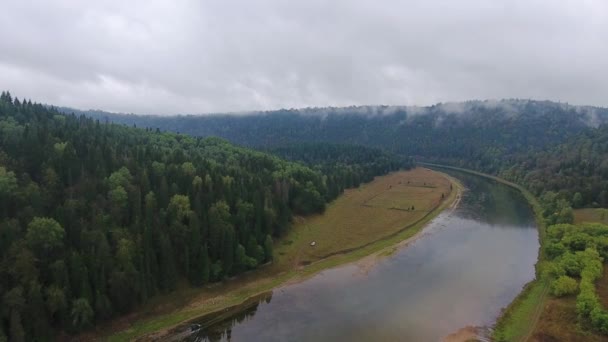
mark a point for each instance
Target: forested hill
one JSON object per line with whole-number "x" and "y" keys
{"x": 543, "y": 145}
{"x": 576, "y": 170}
{"x": 476, "y": 131}
{"x": 96, "y": 218}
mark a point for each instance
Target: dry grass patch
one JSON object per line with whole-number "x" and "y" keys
{"x": 558, "y": 322}
{"x": 599, "y": 215}
{"x": 373, "y": 211}
{"x": 349, "y": 230}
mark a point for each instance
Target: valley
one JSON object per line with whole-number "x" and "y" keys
{"x": 327, "y": 171}
{"x": 350, "y": 229}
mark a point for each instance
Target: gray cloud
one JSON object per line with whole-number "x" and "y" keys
{"x": 164, "y": 56}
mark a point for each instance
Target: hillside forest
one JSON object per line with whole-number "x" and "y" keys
{"x": 97, "y": 218}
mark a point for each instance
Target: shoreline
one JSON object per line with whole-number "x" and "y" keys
{"x": 517, "y": 320}
{"x": 366, "y": 256}
{"x": 369, "y": 261}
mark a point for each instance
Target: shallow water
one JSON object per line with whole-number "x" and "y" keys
{"x": 468, "y": 264}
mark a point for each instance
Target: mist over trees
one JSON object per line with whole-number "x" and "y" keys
{"x": 545, "y": 146}
{"x": 98, "y": 218}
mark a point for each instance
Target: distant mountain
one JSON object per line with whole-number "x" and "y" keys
{"x": 473, "y": 132}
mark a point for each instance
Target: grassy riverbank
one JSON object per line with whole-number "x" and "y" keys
{"x": 371, "y": 219}
{"x": 534, "y": 315}
{"x": 518, "y": 320}
{"x": 558, "y": 318}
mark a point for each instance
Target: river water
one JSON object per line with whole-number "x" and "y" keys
{"x": 468, "y": 264}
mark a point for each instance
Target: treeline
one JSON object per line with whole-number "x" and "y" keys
{"x": 476, "y": 132}
{"x": 345, "y": 166}
{"x": 576, "y": 170}
{"x": 545, "y": 146}
{"x": 97, "y": 218}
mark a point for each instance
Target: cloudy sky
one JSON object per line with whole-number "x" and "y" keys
{"x": 200, "y": 56}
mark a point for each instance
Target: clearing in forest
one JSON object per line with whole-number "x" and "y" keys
{"x": 363, "y": 215}
{"x": 361, "y": 221}
{"x": 599, "y": 215}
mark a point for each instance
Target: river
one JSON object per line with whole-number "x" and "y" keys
{"x": 468, "y": 264}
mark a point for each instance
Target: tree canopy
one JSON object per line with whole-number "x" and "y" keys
{"x": 96, "y": 218}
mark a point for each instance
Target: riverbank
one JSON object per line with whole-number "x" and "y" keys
{"x": 370, "y": 220}
{"x": 517, "y": 321}
{"x": 559, "y": 319}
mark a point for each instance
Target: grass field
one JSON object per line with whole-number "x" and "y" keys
{"x": 591, "y": 215}
{"x": 370, "y": 219}
{"x": 363, "y": 215}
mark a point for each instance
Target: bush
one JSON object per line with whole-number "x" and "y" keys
{"x": 577, "y": 241}
{"x": 599, "y": 319}
{"x": 556, "y": 232}
{"x": 555, "y": 250}
{"x": 554, "y": 270}
{"x": 587, "y": 299}
{"x": 564, "y": 286}
{"x": 571, "y": 264}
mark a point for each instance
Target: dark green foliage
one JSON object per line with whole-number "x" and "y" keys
{"x": 542, "y": 145}
{"x": 555, "y": 249}
{"x": 346, "y": 166}
{"x": 97, "y": 218}
{"x": 44, "y": 236}
{"x": 475, "y": 131}
{"x": 268, "y": 248}
{"x": 577, "y": 169}
{"x": 81, "y": 314}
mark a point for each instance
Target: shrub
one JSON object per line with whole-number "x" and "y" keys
{"x": 599, "y": 319}
{"x": 555, "y": 270}
{"x": 577, "y": 241}
{"x": 555, "y": 250}
{"x": 587, "y": 299}
{"x": 564, "y": 286}
{"x": 571, "y": 264}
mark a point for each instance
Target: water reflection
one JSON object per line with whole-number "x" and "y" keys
{"x": 218, "y": 326}
{"x": 491, "y": 202}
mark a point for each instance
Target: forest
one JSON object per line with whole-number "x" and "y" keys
{"x": 97, "y": 218}
{"x": 346, "y": 166}
{"x": 576, "y": 170}
{"x": 545, "y": 146}
{"x": 101, "y": 212}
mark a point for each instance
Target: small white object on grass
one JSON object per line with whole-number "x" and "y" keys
{"x": 313, "y": 243}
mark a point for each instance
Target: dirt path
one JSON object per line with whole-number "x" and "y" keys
{"x": 536, "y": 316}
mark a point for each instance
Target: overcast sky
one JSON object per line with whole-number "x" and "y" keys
{"x": 200, "y": 56}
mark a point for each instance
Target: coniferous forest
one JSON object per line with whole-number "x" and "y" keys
{"x": 97, "y": 217}
{"x": 546, "y": 146}
{"x": 303, "y": 171}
